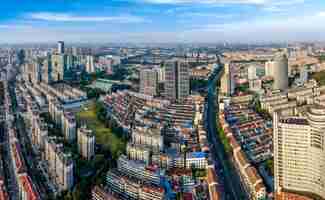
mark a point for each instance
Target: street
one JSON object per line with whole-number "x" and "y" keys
{"x": 232, "y": 185}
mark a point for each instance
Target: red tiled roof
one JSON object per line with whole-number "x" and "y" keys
{"x": 28, "y": 187}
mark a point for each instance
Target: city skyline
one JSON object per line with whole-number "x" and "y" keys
{"x": 156, "y": 21}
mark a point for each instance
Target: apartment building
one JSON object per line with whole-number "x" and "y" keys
{"x": 69, "y": 126}
{"x": 86, "y": 143}
{"x": 130, "y": 189}
{"x": 60, "y": 164}
{"x": 139, "y": 170}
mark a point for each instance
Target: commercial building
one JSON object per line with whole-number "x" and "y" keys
{"x": 299, "y": 152}
{"x": 86, "y": 143}
{"x": 149, "y": 82}
{"x": 177, "y": 83}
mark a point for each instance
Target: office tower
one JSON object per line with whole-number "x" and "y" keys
{"x": 278, "y": 69}
{"x": 86, "y": 143}
{"x": 226, "y": 80}
{"x": 90, "y": 67}
{"x": 60, "y": 47}
{"x": 177, "y": 83}
{"x": 299, "y": 155}
{"x": 149, "y": 82}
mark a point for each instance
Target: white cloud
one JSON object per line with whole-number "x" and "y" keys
{"x": 206, "y": 1}
{"x": 321, "y": 14}
{"x": 210, "y": 15}
{"x": 252, "y": 2}
{"x": 10, "y": 26}
{"x": 303, "y": 28}
{"x": 61, "y": 17}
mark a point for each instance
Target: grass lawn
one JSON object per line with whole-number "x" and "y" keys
{"x": 319, "y": 77}
{"x": 104, "y": 136}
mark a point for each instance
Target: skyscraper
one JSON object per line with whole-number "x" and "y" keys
{"x": 177, "y": 80}
{"x": 86, "y": 143}
{"x": 90, "y": 67}
{"x": 59, "y": 63}
{"x": 299, "y": 152}
{"x": 60, "y": 47}
{"x": 226, "y": 80}
{"x": 149, "y": 81}
{"x": 278, "y": 69}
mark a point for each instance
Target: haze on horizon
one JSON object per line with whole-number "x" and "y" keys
{"x": 162, "y": 21}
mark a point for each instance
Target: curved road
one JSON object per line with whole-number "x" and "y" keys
{"x": 233, "y": 189}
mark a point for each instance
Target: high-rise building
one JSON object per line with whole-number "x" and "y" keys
{"x": 299, "y": 155}
{"x": 47, "y": 70}
{"x": 177, "y": 83}
{"x": 86, "y": 143}
{"x": 59, "y": 63}
{"x": 60, "y": 164}
{"x": 90, "y": 66}
{"x": 226, "y": 80}
{"x": 60, "y": 47}
{"x": 149, "y": 82}
{"x": 69, "y": 126}
{"x": 278, "y": 69}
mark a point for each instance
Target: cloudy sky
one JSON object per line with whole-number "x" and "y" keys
{"x": 156, "y": 21}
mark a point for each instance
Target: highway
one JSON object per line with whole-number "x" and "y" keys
{"x": 230, "y": 180}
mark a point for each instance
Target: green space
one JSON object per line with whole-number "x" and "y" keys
{"x": 321, "y": 58}
{"x": 224, "y": 140}
{"x": 270, "y": 166}
{"x": 92, "y": 116}
{"x": 199, "y": 173}
{"x": 264, "y": 113}
{"x": 319, "y": 77}
{"x": 198, "y": 84}
{"x": 111, "y": 145}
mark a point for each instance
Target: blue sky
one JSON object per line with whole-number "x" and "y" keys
{"x": 155, "y": 21}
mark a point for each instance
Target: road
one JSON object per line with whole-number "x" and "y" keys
{"x": 229, "y": 178}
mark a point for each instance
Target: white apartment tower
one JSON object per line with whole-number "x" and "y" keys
{"x": 299, "y": 153}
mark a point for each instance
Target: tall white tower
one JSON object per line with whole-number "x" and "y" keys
{"x": 278, "y": 69}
